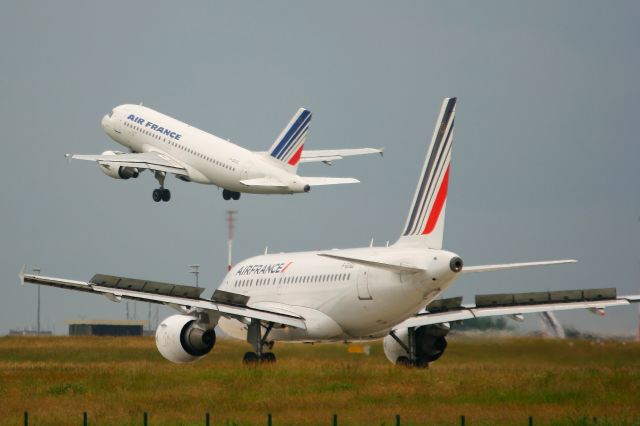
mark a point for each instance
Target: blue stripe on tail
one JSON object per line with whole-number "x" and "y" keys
{"x": 299, "y": 125}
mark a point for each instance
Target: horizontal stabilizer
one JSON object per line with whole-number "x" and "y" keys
{"x": 318, "y": 181}
{"x": 489, "y": 268}
{"x": 374, "y": 263}
{"x": 328, "y": 155}
{"x": 263, "y": 182}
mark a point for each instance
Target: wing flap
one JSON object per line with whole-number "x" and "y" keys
{"x": 116, "y": 288}
{"x": 598, "y": 301}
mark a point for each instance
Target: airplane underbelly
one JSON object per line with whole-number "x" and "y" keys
{"x": 320, "y": 327}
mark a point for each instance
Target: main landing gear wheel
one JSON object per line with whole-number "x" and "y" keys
{"x": 228, "y": 195}
{"x": 161, "y": 194}
{"x": 268, "y": 357}
{"x": 414, "y": 358}
{"x": 251, "y": 358}
{"x": 260, "y": 343}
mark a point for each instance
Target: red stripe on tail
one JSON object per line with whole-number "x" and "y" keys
{"x": 296, "y": 157}
{"x": 437, "y": 206}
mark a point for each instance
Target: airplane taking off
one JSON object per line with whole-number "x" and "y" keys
{"x": 344, "y": 295}
{"x": 164, "y": 145}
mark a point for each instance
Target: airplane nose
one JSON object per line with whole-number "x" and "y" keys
{"x": 105, "y": 123}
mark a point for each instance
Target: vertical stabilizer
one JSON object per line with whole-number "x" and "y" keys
{"x": 425, "y": 223}
{"x": 287, "y": 149}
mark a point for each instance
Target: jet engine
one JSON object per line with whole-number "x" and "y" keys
{"x": 116, "y": 171}
{"x": 181, "y": 339}
{"x": 430, "y": 344}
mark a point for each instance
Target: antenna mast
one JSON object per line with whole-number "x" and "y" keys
{"x": 230, "y": 222}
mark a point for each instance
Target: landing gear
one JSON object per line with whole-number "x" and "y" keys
{"x": 228, "y": 195}
{"x": 259, "y": 342}
{"x": 413, "y": 358}
{"x": 161, "y": 194}
{"x": 250, "y": 358}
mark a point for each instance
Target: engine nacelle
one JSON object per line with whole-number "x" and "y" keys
{"x": 430, "y": 343}
{"x": 113, "y": 170}
{"x": 181, "y": 339}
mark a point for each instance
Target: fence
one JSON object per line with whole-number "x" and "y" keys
{"x": 269, "y": 419}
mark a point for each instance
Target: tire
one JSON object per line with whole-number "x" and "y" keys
{"x": 268, "y": 358}
{"x": 226, "y": 194}
{"x": 166, "y": 195}
{"x": 157, "y": 195}
{"x": 235, "y": 195}
{"x": 422, "y": 363}
{"x": 250, "y": 358}
{"x": 403, "y": 361}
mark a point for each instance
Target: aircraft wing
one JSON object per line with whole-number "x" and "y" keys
{"x": 180, "y": 297}
{"x": 516, "y": 305}
{"x": 329, "y": 155}
{"x": 144, "y": 160}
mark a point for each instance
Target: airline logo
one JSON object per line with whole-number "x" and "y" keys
{"x": 273, "y": 268}
{"x": 151, "y": 126}
{"x": 290, "y": 143}
{"x": 431, "y": 194}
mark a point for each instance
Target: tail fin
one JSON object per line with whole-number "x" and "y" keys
{"x": 289, "y": 145}
{"x": 425, "y": 223}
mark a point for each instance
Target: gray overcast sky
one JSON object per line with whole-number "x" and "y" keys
{"x": 545, "y": 150}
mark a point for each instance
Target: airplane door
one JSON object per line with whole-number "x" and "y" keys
{"x": 363, "y": 285}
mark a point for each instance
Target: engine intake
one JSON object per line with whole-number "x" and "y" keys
{"x": 430, "y": 343}
{"x": 115, "y": 171}
{"x": 128, "y": 172}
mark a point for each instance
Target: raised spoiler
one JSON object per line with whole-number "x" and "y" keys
{"x": 518, "y": 304}
{"x": 180, "y": 297}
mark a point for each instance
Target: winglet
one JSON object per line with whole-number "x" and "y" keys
{"x": 21, "y": 274}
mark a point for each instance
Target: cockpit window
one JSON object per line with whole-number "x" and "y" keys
{"x": 111, "y": 113}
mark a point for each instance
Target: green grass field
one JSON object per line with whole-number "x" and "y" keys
{"x": 490, "y": 381}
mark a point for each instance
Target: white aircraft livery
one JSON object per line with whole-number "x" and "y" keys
{"x": 164, "y": 145}
{"x": 344, "y": 295}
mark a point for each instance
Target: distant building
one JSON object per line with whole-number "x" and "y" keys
{"x": 106, "y": 327}
{"x": 29, "y": 332}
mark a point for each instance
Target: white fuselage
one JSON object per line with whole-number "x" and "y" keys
{"x": 208, "y": 159}
{"x": 339, "y": 300}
